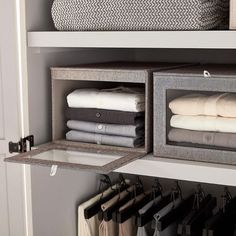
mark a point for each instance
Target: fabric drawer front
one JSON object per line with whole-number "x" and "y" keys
{"x": 194, "y": 114}
{"x": 95, "y": 15}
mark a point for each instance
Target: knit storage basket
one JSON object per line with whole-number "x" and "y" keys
{"x": 121, "y": 15}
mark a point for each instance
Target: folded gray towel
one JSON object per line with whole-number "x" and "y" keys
{"x": 110, "y": 129}
{"x": 79, "y": 136}
{"x": 227, "y": 140}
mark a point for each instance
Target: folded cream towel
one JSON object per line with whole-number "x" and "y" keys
{"x": 204, "y": 123}
{"x": 121, "y": 99}
{"x": 220, "y": 104}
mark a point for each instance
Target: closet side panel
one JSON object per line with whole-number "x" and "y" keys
{"x": 55, "y": 199}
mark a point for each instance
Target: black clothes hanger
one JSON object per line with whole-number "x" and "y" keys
{"x": 199, "y": 196}
{"x": 121, "y": 216}
{"x": 94, "y": 209}
{"x": 176, "y": 214}
{"x": 196, "y": 225}
{"x": 200, "y": 203}
{"x": 213, "y": 221}
{"x": 107, "y": 215}
{"x": 223, "y": 223}
{"x": 143, "y": 219}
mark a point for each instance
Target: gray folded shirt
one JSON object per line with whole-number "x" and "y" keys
{"x": 227, "y": 140}
{"x": 121, "y": 141}
{"x": 104, "y": 116}
{"x": 110, "y": 129}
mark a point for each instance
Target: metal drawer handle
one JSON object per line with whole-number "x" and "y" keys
{"x": 206, "y": 74}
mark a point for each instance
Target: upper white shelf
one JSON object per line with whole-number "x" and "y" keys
{"x": 135, "y": 39}
{"x": 182, "y": 170}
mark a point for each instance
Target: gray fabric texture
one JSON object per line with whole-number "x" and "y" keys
{"x": 110, "y": 129}
{"x": 95, "y": 15}
{"x": 227, "y": 140}
{"x": 121, "y": 141}
{"x": 104, "y": 116}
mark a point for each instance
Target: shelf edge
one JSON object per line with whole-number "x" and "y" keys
{"x": 182, "y": 170}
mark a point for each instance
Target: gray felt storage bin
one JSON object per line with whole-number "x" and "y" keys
{"x": 182, "y": 134}
{"x": 121, "y": 15}
{"x": 67, "y": 79}
{"x": 91, "y": 156}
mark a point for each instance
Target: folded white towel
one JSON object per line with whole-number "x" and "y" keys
{"x": 220, "y": 104}
{"x": 204, "y": 123}
{"x": 121, "y": 99}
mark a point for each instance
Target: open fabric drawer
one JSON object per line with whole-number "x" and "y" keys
{"x": 195, "y": 114}
{"x": 95, "y": 156}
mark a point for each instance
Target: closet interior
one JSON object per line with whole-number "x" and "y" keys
{"x": 55, "y": 199}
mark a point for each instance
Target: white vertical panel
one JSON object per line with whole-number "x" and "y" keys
{"x": 12, "y": 195}
{"x": 4, "y": 225}
{"x": 1, "y": 104}
{"x": 232, "y": 14}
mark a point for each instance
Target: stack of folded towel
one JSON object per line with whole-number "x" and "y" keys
{"x": 108, "y": 116}
{"x": 206, "y": 120}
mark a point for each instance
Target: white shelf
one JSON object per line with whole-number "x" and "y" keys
{"x": 135, "y": 39}
{"x": 182, "y": 170}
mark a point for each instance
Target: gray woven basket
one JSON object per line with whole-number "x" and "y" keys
{"x": 121, "y": 15}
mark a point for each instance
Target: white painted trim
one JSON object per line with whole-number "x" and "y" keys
{"x": 23, "y": 87}
{"x": 182, "y": 170}
{"x": 135, "y": 39}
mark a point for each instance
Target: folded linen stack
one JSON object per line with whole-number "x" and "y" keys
{"x": 204, "y": 120}
{"x": 108, "y": 116}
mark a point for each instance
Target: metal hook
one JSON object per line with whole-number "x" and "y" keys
{"x": 206, "y": 74}
{"x": 107, "y": 181}
{"x": 53, "y": 170}
{"x": 139, "y": 183}
{"x": 176, "y": 191}
{"x": 122, "y": 180}
{"x": 198, "y": 197}
{"x": 226, "y": 198}
{"x": 118, "y": 189}
{"x": 134, "y": 194}
{"x": 156, "y": 188}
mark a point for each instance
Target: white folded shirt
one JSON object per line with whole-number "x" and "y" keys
{"x": 204, "y": 123}
{"x": 121, "y": 99}
{"x": 220, "y": 104}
